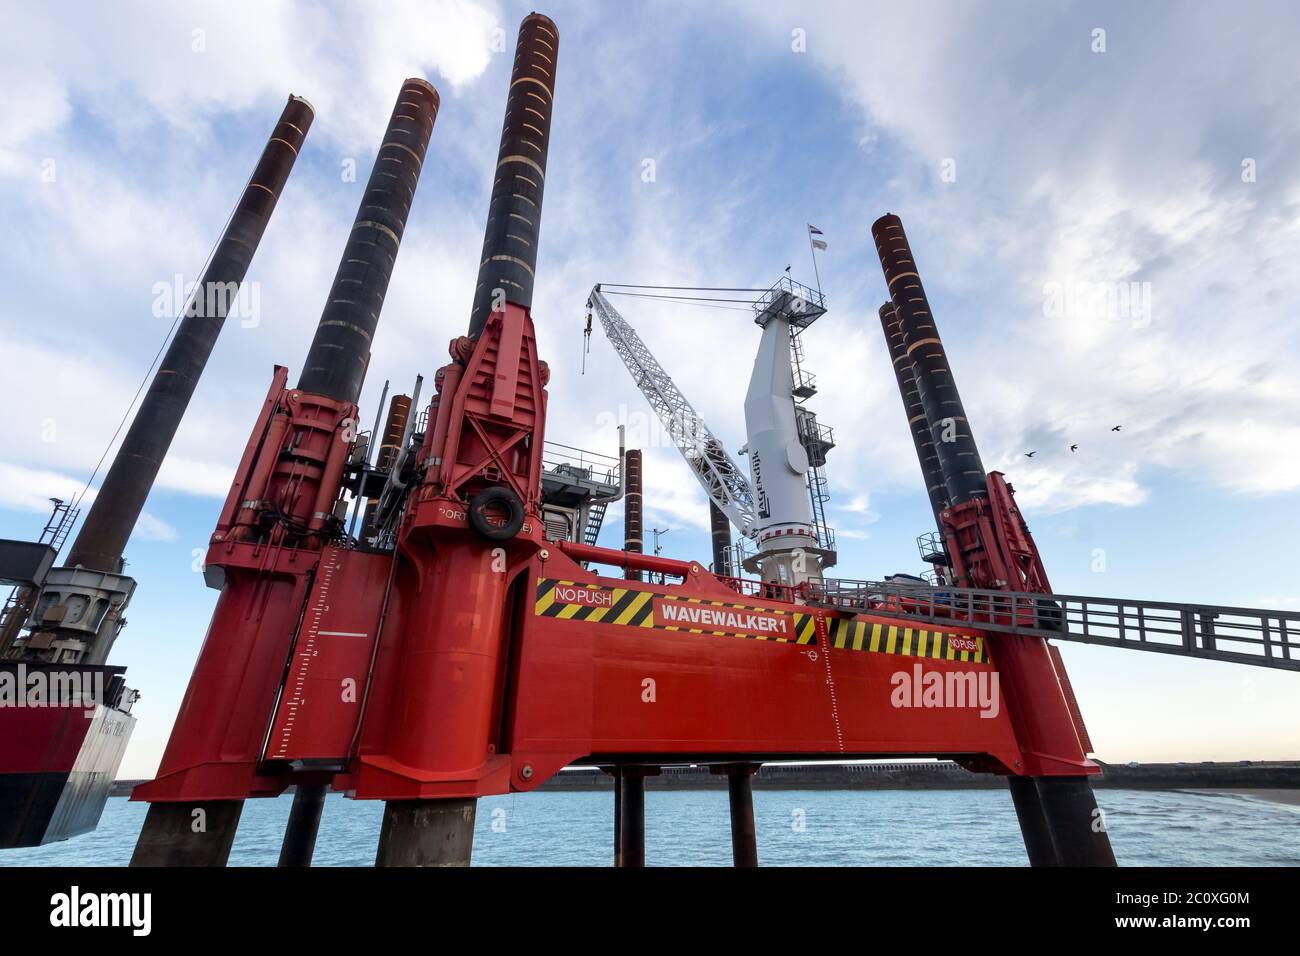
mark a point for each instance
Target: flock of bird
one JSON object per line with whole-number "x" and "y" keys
{"x": 1073, "y": 448}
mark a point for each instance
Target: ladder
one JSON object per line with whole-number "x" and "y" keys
{"x": 595, "y": 518}
{"x": 1258, "y": 636}
{"x": 805, "y": 383}
{"x": 819, "y": 495}
{"x": 22, "y": 598}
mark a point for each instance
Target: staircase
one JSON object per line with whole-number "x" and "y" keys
{"x": 595, "y": 518}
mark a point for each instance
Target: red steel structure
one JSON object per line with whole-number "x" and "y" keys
{"x": 987, "y": 545}
{"x": 272, "y": 549}
{"x": 477, "y": 657}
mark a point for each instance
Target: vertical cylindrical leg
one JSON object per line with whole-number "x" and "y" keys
{"x": 631, "y": 818}
{"x": 336, "y": 363}
{"x": 427, "y": 833}
{"x": 1033, "y": 822}
{"x": 1078, "y": 830}
{"x": 509, "y": 258}
{"x": 720, "y": 532}
{"x": 617, "y": 773}
{"x": 188, "y": 834}
{"x": 959, "y": 458}
{"x": 922, "y": 438}
{"x": 633, "y": 535}
{"x": 744, "y": 838}
{"x": 399, "y": 410}
{"x": 108, "y": 524}
{"x": 304, "y": 820}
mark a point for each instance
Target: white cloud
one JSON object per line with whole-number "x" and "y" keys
{"x": 199, "y": 59}
{"x": 30, "y": 489}
{"x": 1074, "y": 167}
{"x": 64, "y": 408}
{"x": 149, "y": 528}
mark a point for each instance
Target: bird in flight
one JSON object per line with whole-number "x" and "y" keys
{"x": 1117, "y": 428}
{"x": 1074, "y": 448}
{"x": 1031, "y": 454}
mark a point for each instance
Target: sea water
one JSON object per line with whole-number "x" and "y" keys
{"x": 795, "y": 828}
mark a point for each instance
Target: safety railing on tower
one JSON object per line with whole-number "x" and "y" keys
{"x": 580, "y": 463}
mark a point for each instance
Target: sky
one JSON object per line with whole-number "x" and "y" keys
{"x": 1103, "y": 200}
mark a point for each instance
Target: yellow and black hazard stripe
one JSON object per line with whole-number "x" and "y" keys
{"x": 635, "y": 608}
{"x": 805, "y": 629}
{"x": 626, "y": 606}
{"x": 854, "y": 635}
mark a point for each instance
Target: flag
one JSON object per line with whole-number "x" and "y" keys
{"x": 816, "y": 243}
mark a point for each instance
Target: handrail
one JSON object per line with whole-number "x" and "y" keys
{"x": 1258, "y": 636}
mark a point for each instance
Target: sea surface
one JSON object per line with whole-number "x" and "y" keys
{"x": 795, "y": 828}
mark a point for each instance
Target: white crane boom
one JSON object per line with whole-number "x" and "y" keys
{"x": 724, "y": 482}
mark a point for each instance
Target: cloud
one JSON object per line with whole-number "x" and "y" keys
{"x": 201, "y": 59}
{"x": 149, "y": 528}
{"x": 1078, "y": 169}
{"x": 111, "y": 221}
{"x": 30, "y": 489}
{"x": 64, "y": 408}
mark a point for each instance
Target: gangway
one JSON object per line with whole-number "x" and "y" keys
{"x": 1259, "y": 636}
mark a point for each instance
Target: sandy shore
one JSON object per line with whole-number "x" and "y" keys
{"x": 1289, "y": 797}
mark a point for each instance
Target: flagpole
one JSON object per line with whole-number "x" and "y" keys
{"x": 813, "y": 249}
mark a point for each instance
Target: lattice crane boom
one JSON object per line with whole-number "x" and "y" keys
{"x": 722, "y": 480}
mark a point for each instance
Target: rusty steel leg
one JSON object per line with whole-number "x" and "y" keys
{"x": 1033, "y": 822}
{"x": 304, "y": 821}
{"x": 1078, "y": 830}
{"x": 427, "y": 833}
{"x": 188, "y": 834}
{"x": 630, "y": 811}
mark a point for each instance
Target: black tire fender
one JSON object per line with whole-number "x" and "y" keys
{"x": 496, "y": 497}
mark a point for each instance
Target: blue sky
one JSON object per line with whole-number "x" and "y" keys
{"x": 1074, "y": 169}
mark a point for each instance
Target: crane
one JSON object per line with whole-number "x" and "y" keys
{"x": 781, "y": 505}
{"x": 719, "y": 475}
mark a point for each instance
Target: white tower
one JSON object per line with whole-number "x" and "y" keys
{"x": 785, "y": 528}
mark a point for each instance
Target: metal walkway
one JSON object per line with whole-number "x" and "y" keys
{"x": 1259, "y": 636}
